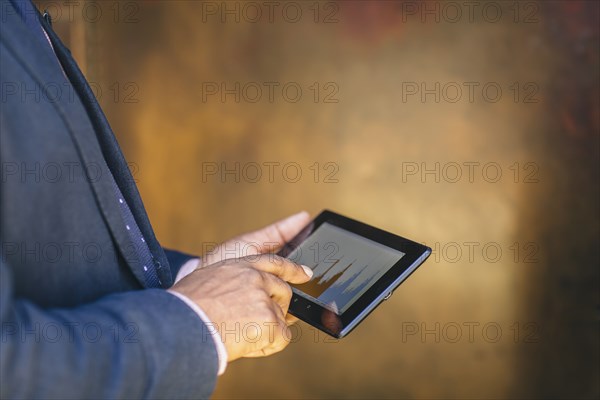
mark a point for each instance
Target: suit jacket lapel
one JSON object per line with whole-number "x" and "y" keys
{"x": 111, "y": 152}
{"x": 96, "y": 143}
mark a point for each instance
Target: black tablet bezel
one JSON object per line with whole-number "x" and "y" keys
{"x": 340, "y": 325}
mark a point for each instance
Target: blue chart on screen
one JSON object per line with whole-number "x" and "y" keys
{"x": 345, "y": 266}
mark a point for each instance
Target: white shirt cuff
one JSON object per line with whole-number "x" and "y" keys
{"x": 187, "y": 269}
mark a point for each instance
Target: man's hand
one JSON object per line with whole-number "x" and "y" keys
{"x": 247, "y": 300}
{"x": 269, "y": 239}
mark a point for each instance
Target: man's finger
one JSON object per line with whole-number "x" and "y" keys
{"x": 279, "y": 291}
{"x": 272, "y": 237}
{"x": 290, "y": 319}
{"x": 281, "y": 267}
{"x": 280, "y": 342}
{"x": 285, "y": 229}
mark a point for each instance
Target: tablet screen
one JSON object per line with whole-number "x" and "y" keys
{"x": 345, "y": 266}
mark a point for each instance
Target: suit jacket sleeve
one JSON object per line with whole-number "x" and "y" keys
{"x": 138, "y": 344}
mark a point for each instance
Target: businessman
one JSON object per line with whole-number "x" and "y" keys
{"x": 91, "y": 305}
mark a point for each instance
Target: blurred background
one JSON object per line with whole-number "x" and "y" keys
{"x": 472, "y": 127}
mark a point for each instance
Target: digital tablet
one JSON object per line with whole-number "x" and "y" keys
{"x": 356, "y": 267}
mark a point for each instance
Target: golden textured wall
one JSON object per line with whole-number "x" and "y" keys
{"x": 527, "y": 316}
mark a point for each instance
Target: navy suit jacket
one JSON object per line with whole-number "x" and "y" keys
{"x": 77, "y": 320}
